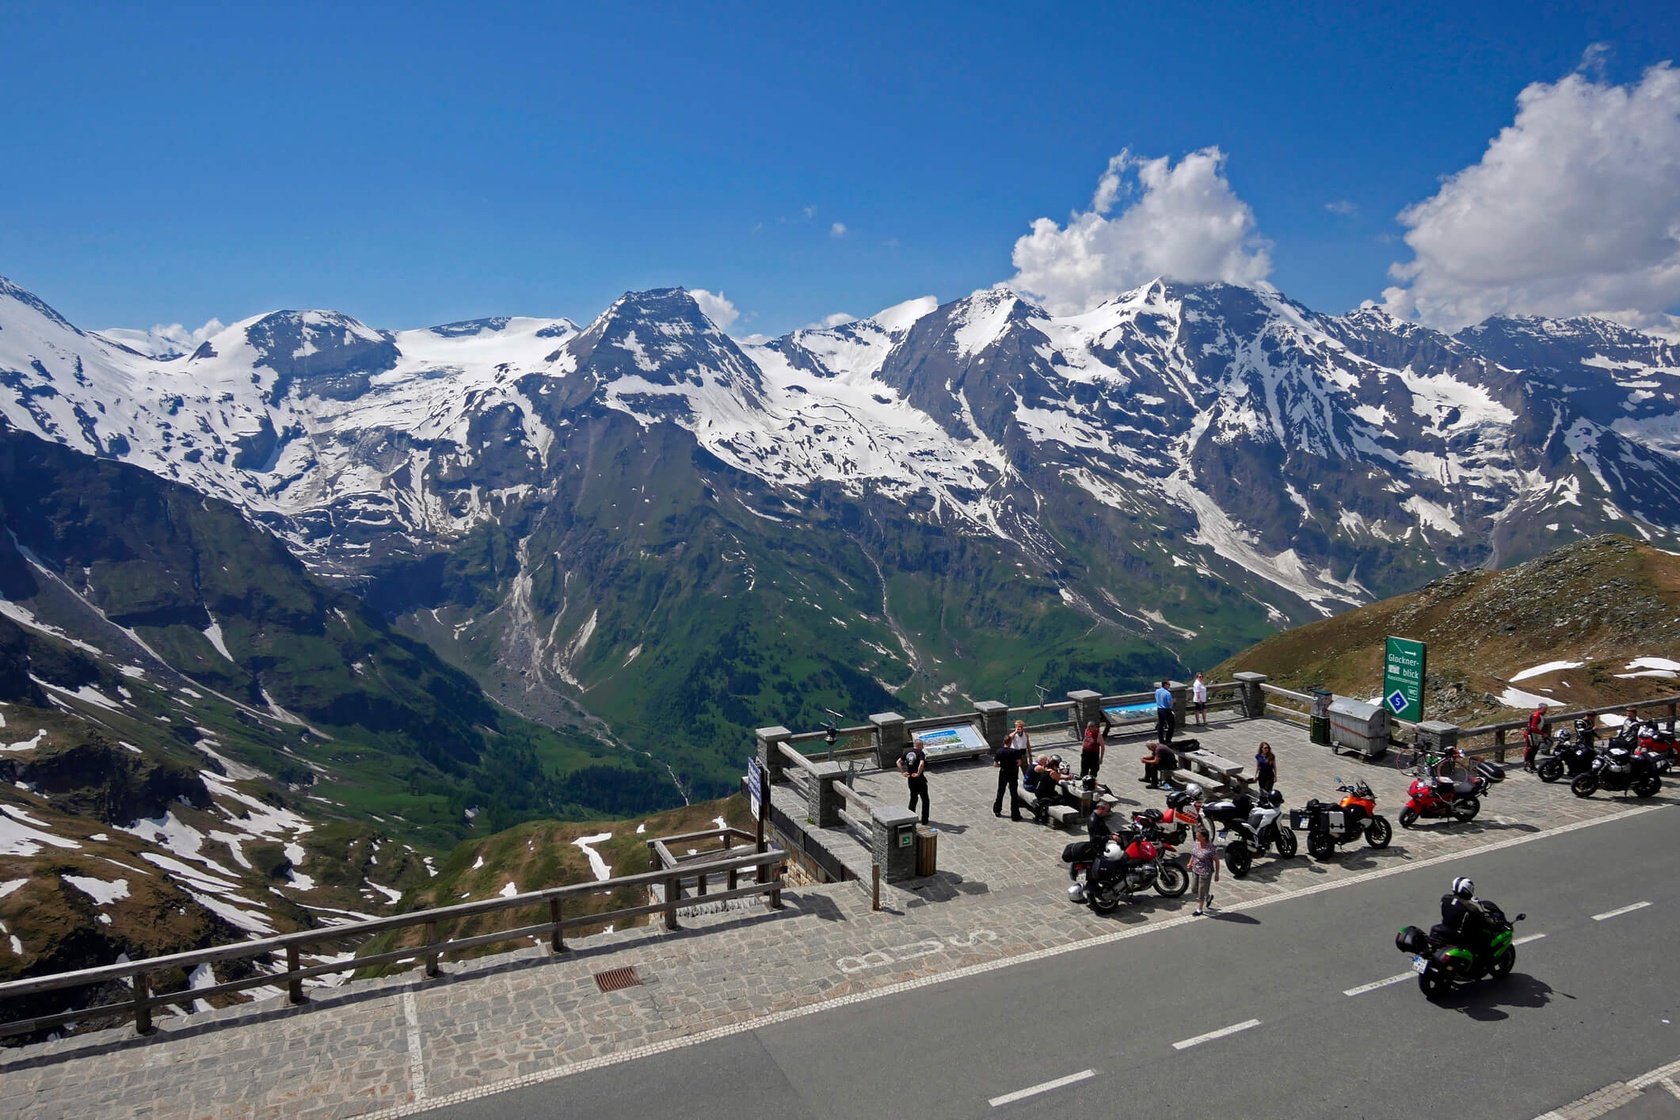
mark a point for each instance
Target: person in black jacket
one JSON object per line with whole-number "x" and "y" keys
{"x": 1465, "y": 920}
{"x": 1008, "y": 761}
{"x": 913, "y": 765}
{"x": 1099, "y": 829}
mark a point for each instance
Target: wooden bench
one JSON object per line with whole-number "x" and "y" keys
{"x": 1065, "y": 816}
{"x": 1209, "y": 783}
{"x": 1220, "y": 770}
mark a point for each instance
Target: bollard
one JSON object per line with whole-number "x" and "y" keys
{"x": 673, "y": 884}
{"x": 430, "y": 956}
{"x": 875, "y": 903}
{"x": 294, "y": 982}
{"x": 776, "y": 895}
{"x": 142, "y": 1004}
{"x": 557, "y": 940}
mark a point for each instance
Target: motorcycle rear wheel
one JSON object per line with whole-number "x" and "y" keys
{"x": 1551, "y": 770}
{"x": 1408, "y": 817}
{"x": 1584, "y": 785}
{"x": 1104, "y": 900}
{"x": 1319, "y": 845}
{"x": 1287, "y": 845}
{"x": 1646, "y": 786}
{"x": 1464, "y": 809}
{"x": 1172, "y": 881}
{"x": 1238, "y": 858}
{"x": 1433, "y": 985}
{"x": 1378, "y": 833}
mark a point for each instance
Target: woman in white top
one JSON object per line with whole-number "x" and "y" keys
{"x": 1198, "y": 699}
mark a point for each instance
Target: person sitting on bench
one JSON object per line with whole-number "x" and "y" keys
{"x": 1159, "y": 765}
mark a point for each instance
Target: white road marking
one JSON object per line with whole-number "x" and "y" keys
{"x": 774, "y": 1018}
{"x": 416, "y": 1069}
{"x": 1526, "y": 940}
{"x": 1374, "y": 985}
{"x": 1034, "y": 1090}
{"x": 1211, "y": 1035}
{"x": 1619, "y": 913}
{"x": 1668, "y": 1083}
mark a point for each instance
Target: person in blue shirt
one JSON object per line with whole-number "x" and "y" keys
{"x": 1164, "y": 713}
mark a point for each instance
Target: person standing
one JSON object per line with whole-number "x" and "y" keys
{"x": 1019, "y": 738}
{"x": 1091, "y": 753}
{"x": 1536, "y": 734}
{"x": 1198, "y": 699}
{"x": 1164, "y": 713}
{"x": 1204, "y": 865}
{"x": 1009, "y": 759}
{"x": 913, "y": 765}
{"x": 1265, "y": 768}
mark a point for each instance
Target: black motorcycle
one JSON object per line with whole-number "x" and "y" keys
{"x": 1441, "y": 964}
{"x": 1329, "y": 825}
{"x": 1571, "y": 754}
{"x": 1620, "y": 770}
{"x": 1131, "y": 861}
{"x": 1257, "y": 824}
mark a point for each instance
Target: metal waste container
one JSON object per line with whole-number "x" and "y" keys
{"x": 1320, "y": 726}
{"x": 927, "y": 850}
{"x": 1357, "y": 726}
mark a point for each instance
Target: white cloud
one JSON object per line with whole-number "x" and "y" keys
{"x": 1182, "y": 222}
{"x": 165, "y": 341}
{"x": 838, "y": 229}
{"x": 715, "y": 307}
{"x": 1343, "y": 207}
{"x": 838, "y": 319}
{"x": 1573, "y": 209}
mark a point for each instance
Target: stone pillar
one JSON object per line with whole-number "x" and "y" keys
{"x": 1087, "y": 709}
{"x": 770, "y": 757}
{"x": 994, "y": 722}
{"x": 1253, "y": 700}
{"x": 1436, "y": 737}
{"x": 890, "y": 742}
{"x": 894, "y": 843}
{"x": 825, "y": 800}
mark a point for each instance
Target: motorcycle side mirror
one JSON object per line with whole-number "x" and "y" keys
{"x": 1520, "y": 917}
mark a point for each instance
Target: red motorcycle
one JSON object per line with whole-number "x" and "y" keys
{"x": 1179, "y": 821}
{"x": 1438, "y": 791}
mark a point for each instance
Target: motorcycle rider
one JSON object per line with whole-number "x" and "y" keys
{"x": 1099, "y": 829}
{"x": 1467, "y": 923}
{"x": 1536, "y": 734}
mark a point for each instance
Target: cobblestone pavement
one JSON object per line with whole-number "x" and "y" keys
{"x": 401, "y": 1044}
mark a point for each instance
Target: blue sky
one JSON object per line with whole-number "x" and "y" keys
{"x": 419, "y": 163}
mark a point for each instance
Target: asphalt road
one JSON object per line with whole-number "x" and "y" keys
{"x": 1590, "y": 1002}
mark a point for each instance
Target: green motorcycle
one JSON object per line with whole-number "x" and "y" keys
{"x": 1442, "y": 965}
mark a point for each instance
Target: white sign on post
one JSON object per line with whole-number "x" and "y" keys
{"x": 755, "y": 787}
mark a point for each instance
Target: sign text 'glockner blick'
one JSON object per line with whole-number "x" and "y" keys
{"x": 1404, "y": 663}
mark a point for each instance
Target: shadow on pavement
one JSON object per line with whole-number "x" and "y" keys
{"x": 1486, "y": 1000}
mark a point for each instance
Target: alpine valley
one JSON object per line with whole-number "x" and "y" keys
{"x": 315, "y": 571}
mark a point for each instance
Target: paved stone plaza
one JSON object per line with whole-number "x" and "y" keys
{"x": 404, "y": 1044}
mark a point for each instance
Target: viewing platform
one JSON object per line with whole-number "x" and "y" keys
{"x": 409, "y": 1043}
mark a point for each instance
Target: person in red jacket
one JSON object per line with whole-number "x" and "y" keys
{"x": 1536, "y": 734}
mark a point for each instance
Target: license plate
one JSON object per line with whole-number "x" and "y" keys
{"x": 1419, "y": 965}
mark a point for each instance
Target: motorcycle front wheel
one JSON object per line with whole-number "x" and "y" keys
{"x": 1379, "y": 833}
{"x": 1503, "y": 963}
{"x": 1464, "y": 810}
{"x": 1584, "y": 785}
{"x": 1408, "y": 817}
{"x": 1551, "y": 770}
{"x": 1237, "y": 858}
{"x": 1171, "y": 881}
{"x": 1287, "y": 845}
{"x": 1319, "y": 845}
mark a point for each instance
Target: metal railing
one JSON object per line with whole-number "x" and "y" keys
{"x": 293, "y": 946}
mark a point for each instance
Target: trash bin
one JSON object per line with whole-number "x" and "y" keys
{"x": 1356, "y": 726}
{"x": 927, "y": 850}
{"x": 1320, "y": 727}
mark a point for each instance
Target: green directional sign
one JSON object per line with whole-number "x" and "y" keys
{"x": 1403, "y": 668}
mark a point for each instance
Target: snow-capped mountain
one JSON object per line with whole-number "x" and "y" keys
{"x": 1174, "y": 473}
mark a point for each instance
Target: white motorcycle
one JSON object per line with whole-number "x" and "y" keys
{"x": 1256, "y": 823}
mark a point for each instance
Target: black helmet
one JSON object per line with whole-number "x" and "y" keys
{"x": 1056, "y": 761}
{"x": 1463, "y": 887}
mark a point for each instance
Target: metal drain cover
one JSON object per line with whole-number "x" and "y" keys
{"x": 617, "y": 979}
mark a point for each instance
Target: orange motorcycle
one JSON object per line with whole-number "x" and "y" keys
{"x": 1329, "y": 825}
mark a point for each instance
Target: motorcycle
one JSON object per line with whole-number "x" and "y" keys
{"x": 1132, "y": 861}
{"x": 1437, "y": 794}
{"x": 1660, "y": 744}
{"x": 1571, "y": 754}
{"x": 1178, "y": 822}
{"x": 1329, "y": 825}
{"x": 1441, "y": 965}
{"x": 1620, "y": 770}
{"x": 1258, "y": 824}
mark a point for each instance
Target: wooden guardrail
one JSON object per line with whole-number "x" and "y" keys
{"x": 292, "y": 946}
{"x": 1501, "y": 729}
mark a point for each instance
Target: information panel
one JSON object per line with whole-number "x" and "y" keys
{"x": 965, "y": 738}
{"x": 1404, "y": 665}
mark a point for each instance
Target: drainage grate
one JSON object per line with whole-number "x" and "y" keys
{"x": 617, "y": 979}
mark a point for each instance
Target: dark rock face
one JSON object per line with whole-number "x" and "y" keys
{"x": 323, "y": 353}
{"x": 99, "y": 779}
